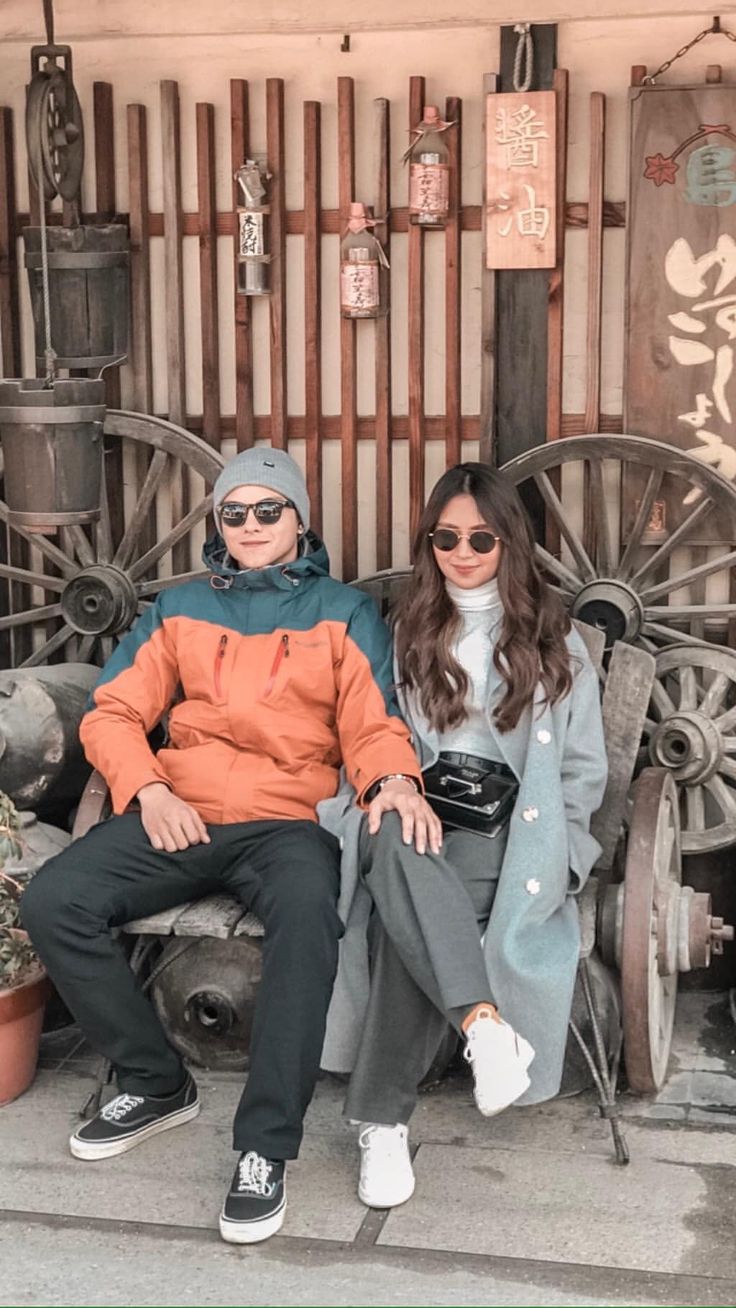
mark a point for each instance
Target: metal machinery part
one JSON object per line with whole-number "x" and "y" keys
{"x": 652, "y": 928}
{"x": 619, "y": 586}
{"x": 690, "y": 731}
{"x": 54, "y": 128}
{"x": 74, "y": 596}
{"x": 204, "y": 991}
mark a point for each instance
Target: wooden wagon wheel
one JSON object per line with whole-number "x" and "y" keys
{"x": 691, "y": 731}
{"x": 72, "y": 596}
{"x": 648, "y": 956}
{"x": 618, "y": 586}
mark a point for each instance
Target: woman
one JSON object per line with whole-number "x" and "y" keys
{"x": 490, "y": 672}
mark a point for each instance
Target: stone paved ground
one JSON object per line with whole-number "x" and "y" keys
{"x": 528, "y": 1208}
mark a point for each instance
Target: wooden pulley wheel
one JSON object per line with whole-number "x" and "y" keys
{"x": 615, "y": 578}
{"x": 72, "y": 594}
{"x": 648, "y": 962}
{"x": 54, "y": 132}
{"x": 691, "y": 731}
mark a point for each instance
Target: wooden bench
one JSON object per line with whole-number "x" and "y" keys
{"x": 160, "y": 940}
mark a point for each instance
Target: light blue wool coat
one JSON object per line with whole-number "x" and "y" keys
{"x": 532, "y": 940}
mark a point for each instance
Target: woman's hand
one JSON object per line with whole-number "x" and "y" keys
{"x": 168, "y": 821}
{"x": 418, "y": 821}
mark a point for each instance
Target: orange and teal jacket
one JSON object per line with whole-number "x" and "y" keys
{"x": 271, "y": 679}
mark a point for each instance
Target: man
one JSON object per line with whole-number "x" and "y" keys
{"x": 272, "y": 675}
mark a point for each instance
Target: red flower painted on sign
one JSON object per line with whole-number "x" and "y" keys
{"x": 660, "y": 168}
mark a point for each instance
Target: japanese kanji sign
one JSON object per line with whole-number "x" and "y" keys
{"x": 681, "y": 285}
{"x": 521, "y": 190}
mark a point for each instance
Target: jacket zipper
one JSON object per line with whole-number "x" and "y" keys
{"x": 219, "y": 659}
{"x": 281, "y": 653}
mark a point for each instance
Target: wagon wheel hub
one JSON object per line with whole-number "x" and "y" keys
{"x": 689, "y": 744}
{"x": 100, "y": 601}
{"x": 211, "y": 1010}
{"x": 612, "y": 607}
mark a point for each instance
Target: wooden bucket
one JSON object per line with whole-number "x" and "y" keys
{"x": 52, "y": 448}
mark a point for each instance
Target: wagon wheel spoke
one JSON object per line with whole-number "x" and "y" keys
{"x": 29, "y": 578}
{"x": 678, "y": 537}
{"x": 13, "y": 620}
{"x": 661, "y": 700}
{"x": 729, "y": 744}
{"x": 570, "y": 582}
{"x": 177, "y": 533}
{"x": 151, "y": 484}
{"x": 641, "y": 522}
{"x": 166, "y": 583}
{"x": 82, "y": 546}
{"x": 688, "y": 577}
{"x": 727, "y": 768}
{"x": 86, "y": 646}
{"x": 107, "y": 646}
{"x": 714, "y": 695}
{"x": 46, "y": 547}
{"x": 723, "y": 796}
{"x": 49, "y": 647}
{"x": 574, "y": 544}
{"x": 670, "y": 636}
{"x": 103, "y": 527}
{"x": 652, "y": 613}
{"x": 688, "y": 688}
{"x": 603, "y": 539}
{"x": 695, "y": 808}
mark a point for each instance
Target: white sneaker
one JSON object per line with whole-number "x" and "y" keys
{"x": 499, "y": 1059}
{"x": 386, "y": 1175}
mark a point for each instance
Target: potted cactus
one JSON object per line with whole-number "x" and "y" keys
{"x": 23, "y": 984}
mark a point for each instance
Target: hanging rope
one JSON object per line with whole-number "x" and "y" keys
{"x": 48, "y": 15}
{"x": 524, "y": 55}
{"x": 715, "y": 29}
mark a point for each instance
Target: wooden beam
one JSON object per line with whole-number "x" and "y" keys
{"x": 416, "y": 338}
{"x": 276, "y": 153}
{"x": 239, "y": 148}
{"x": 9, "y": 288}
{"x": 140, "y": 260}
{"x": 596, "y": 173}
{"x": 488, "y": 450}
{"x": 348, "y": 360}
{"x": 313, "y": 308}
{"x": 208, "y": 272}
{"x": 384, "y": 461}
{"x": 453, "y": 284}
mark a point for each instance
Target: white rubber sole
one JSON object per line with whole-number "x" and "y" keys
{"x": 513, "y": 1090}
{"x": 252, "y": 1232}
{"x": 92, "y": 1150}
{"x": 385, "y": 1200}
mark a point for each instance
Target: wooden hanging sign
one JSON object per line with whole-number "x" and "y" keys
{"x": 521, "y": 185}
{"x": 680, "y": 384}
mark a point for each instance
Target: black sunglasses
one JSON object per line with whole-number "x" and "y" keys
{"x": 445, "y": 539}
{"x": 233, "y": 514}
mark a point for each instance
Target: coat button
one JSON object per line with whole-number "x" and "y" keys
{"x": 530, "y": 814}
{"x": 533, "y": 886}
{"x": 544, "y": 736}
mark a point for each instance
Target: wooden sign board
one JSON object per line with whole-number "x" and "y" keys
{"x": 680, "y": 365}
{"x": 521, "y": 186}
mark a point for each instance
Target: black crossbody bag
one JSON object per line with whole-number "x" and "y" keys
{"x": 471, "y": 794}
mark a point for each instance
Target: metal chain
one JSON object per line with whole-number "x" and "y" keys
{"x": 524, "y": 54}
{"x": 715, "y": 29}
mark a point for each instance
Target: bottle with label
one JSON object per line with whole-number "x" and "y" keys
{"x": 429, "y": 171}
{"x": 363, "y": 269}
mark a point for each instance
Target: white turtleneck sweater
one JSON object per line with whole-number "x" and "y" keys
{"x": 480, "y": 610}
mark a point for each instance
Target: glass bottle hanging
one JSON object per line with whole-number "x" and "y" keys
{"x": 363, "y": 269}
{"x": 429, "y": 171}
{"x": 252, "y": 231}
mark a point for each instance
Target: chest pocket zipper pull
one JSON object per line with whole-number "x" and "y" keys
{"x": 281, "y": 653}
{"x": 219, "y": 658}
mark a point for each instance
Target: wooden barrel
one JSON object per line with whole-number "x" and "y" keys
{"x": 88, "y": 292}
{"x": 52, "y": 449}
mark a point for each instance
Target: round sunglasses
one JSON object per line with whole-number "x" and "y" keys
{"x": 233, "y": 514}
{"x": 445, "y": 539}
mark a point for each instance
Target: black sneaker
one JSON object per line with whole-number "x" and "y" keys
{"x": 128, "y": 1119}
{"x": 255, "y": 1204}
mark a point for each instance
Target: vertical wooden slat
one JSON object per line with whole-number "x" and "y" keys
{"x": 595, "y": 261}
{"x": 239, "y": 147}
{"x": 555, "y": 312}
{"x": 275, "y": 146}
{"x": 313, "y": 309}
{"x": 140, "y": 260}
{"x": 348, "y": 394}
{"x": 9, "y": 296}
{"x": 384, "y": 469}
{"x": 453, "y": 448}
{"x": 416, "y": 338}
{"x": 174, "y": 296}
{"x": 104, "y": 152}
{"x": 208, "y": 273}
{"x": 487, "y": 451}
{"x": 173, "y": 224}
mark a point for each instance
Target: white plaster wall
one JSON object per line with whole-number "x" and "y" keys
{"x": 134, "y": 45}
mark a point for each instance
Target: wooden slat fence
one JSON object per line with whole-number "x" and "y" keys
{"x": 349, "y": 427}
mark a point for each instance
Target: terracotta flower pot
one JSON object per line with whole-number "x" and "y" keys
{"x": 21, "y": 1018}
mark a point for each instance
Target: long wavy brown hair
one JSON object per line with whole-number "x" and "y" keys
{"x": 531, "y": 646}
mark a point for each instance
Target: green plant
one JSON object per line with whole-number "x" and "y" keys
{"x": 18, "y": 960}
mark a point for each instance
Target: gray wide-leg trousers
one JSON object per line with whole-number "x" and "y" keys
{"x": 427, "y": 965}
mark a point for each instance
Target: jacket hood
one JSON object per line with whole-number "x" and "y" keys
{"x": 312, "y": 562}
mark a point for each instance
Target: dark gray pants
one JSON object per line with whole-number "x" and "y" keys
{"x": 427, "y": 965}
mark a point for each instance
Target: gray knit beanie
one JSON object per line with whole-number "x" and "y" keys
{"x": 264, "y": 466}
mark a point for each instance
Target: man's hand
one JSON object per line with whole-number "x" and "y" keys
{"x": 418, "y": 821}
{"x": 168, "y": 821}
